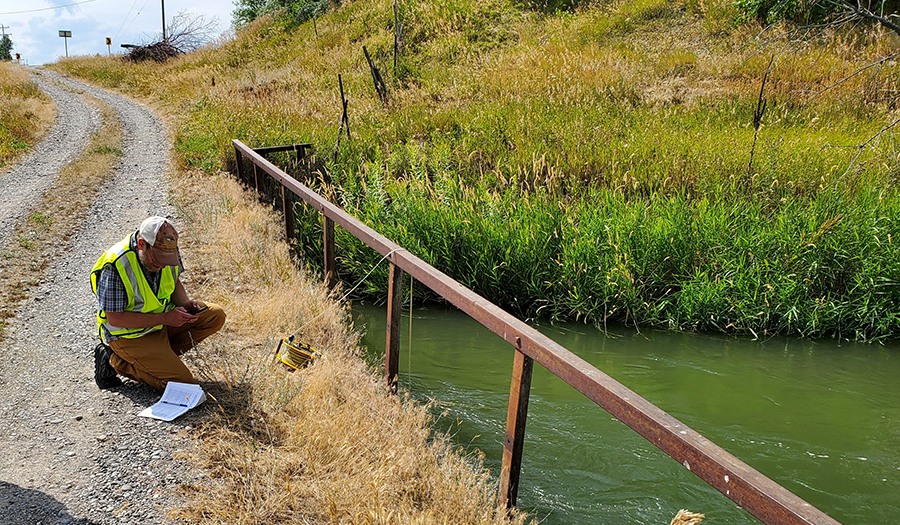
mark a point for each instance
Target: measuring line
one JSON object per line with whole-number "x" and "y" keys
{"x": 344, "y": 297}
{"x": 47, "y": 8}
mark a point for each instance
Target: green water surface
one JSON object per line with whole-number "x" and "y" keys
{"x": 821, "y": 418}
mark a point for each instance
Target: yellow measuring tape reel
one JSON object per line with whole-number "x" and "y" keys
{"x": 295, "y": 354}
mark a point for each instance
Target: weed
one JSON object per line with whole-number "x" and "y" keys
{"x": 25, "y": 242}
{"x": 41, "y": 220}
{"x": 108, "y": 150}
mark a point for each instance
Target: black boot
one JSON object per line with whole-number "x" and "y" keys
{"x": 104, "y": 374}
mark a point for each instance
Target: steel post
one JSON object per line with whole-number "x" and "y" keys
{"x": 328, "y": 265}
{"x": 517, "y": 413}
{"x": 392, "y": 348}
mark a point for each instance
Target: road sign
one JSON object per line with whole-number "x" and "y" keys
{"x": 108, "y": 41}
{"x": 67, "y": 35}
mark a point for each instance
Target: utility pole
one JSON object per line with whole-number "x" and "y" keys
{"x": 3, "y": 29}
{"x": 164, "y": 18}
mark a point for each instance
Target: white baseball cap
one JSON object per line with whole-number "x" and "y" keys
{"x": 161, "y": 235}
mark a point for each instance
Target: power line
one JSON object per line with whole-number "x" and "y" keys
{"x": 125, "y": 20}
{"x": 135, "y": 17}
{"x": 47, "y": 8}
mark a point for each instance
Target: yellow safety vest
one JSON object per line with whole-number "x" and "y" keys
{"x": 141, "y": 297}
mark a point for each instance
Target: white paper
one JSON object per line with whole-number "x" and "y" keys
{"x": 176, "y": 400}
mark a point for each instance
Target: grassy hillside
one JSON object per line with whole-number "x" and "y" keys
{"x": 25, "y": 112}
{"x": 590, "y": 165}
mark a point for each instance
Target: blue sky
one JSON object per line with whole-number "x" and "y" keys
{"x": 35, "y": 34}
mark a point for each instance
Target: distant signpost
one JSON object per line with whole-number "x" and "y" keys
{"x": 67, "y": 35}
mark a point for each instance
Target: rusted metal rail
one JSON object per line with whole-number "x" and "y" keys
{"x": 757, "y": 494}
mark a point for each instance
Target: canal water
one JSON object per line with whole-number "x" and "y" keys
{"x": 821, "y": 418}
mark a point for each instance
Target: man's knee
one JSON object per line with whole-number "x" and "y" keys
{"x": 217, "y": 317}
{"x": 211, "y": 320}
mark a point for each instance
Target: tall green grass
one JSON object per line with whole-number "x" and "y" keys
{"x": 827, "y": 265}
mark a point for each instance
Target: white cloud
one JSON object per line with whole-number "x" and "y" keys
{"x": 35, "y": 34}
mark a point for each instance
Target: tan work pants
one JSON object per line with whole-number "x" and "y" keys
{"x": 154, "y": 358}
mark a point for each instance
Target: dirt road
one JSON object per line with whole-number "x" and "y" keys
{"x": 69, "y": 452}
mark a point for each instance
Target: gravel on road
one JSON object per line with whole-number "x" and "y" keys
{"x": 71, "y": 453}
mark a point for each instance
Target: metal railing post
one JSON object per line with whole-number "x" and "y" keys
{"x": 392, "y": 348}
{"x": 517, "y": 412}
{"x": 287, "y": 205}
{"x": 258, "y": 180}
{"x": 328, "y": 264}
{"x": 239, "y": 163}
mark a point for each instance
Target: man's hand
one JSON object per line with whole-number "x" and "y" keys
{"x": 178, "y": 316}
{"x": 193, "y": 306}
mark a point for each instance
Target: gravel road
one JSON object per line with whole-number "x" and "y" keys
{"x": 69, "y": 452}
{"x": 28, "y": 180}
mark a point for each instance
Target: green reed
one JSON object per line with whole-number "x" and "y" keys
{"x": 825, "y": 266}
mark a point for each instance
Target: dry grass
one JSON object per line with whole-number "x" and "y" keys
{"x": 325, "y": 445}
{"x": 38, "y": 238}
{"x": 25, "y": 112}
{"x": 686, "y": 517}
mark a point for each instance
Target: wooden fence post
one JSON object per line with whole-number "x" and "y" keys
{"x": 345, "y": 121}
{"x": 380, "y": 88}
{"x": 328, "y": 264}
{"x": 520, "y": 389}
{"x": 392, "y": 348}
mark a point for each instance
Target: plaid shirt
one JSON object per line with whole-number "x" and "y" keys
{"x": 111, "y": 293}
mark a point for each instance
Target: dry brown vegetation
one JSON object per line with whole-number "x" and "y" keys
{"x": 324, "y": 445}
{"x": 25, "y": 112}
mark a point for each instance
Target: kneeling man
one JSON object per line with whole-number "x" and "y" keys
{"x": 144, "y": 314}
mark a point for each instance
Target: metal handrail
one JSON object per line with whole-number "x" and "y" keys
{"x": 760, "y": 496}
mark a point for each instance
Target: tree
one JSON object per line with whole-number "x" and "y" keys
{"x": 882, "y": 12}
{"x": 6, "y": 46}
{"x": 811, "y": 19}
{"x": 188, "y": 32}
{"x": 822, "y": 13}
{"x": 299, "y": 11}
